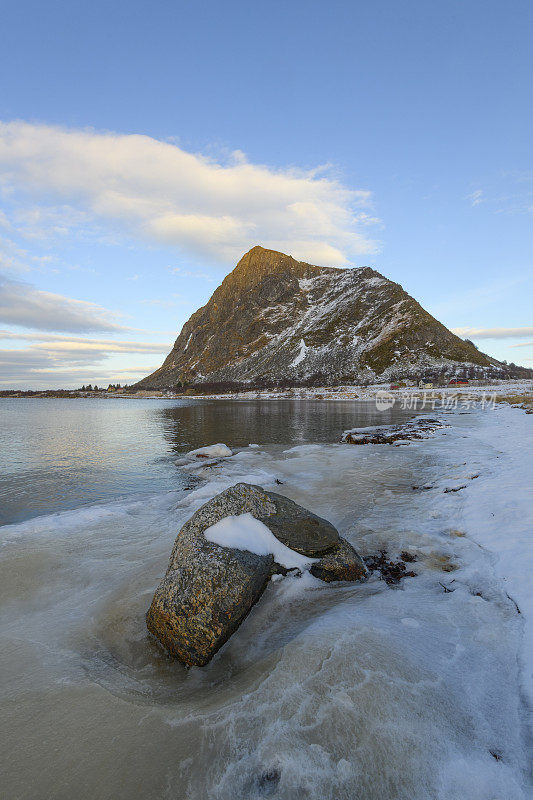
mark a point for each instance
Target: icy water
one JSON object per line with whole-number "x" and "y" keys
{"x": 327, "y": 692}
{"x": 59, "y": 454}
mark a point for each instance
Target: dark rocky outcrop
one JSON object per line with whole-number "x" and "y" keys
{"x": 208, "y": 590}
{"x": 389, "y": 434}
{"x": 275, "y": 319}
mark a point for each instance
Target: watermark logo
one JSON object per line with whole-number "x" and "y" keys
{"x": 433, "y": 400}
{"x": 384, "y": 400}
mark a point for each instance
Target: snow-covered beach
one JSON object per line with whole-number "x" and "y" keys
{"x": 497, "y": 390}
{"x": 416, "y": 691}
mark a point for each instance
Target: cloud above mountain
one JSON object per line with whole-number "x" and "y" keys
{"x": 164, "y": 194}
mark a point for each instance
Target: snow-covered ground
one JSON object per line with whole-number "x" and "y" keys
{"x": 479, "y": 391}
{"x": 421, "y": 691}
{"x": 497, "y": 511}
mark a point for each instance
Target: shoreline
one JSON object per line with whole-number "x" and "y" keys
{"x": 516, "y": 392}
{"x": 513, "y": 392}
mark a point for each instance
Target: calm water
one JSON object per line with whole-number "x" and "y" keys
{"x": 59, "y": 454}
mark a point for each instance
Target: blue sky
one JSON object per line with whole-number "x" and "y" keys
{"x": 144, "y": 146}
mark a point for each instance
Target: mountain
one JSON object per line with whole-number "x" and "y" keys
{"x": 275, "y": 319}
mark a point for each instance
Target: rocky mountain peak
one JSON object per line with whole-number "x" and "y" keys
{"x": 276, "y": 319}
{"x": 260, "y": 263}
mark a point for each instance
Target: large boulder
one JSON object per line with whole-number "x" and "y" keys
{"x": 208, "y": 590}
{"x": 296, "y": 527}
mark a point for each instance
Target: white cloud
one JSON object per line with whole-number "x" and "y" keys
{"x": 53, "y": 360}
{"x": 161, "y": 192}
{"x": 43, "y": 222}
{"x": 12, "y": 257}
{"x": 58, "y": 343}
{"x": 476, "y": 197}
{"x": 22, "y": 304}
{"x": 494, "y": 333}
{"x": 30, "y": 368}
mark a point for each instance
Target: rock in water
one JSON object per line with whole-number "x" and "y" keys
{"x": 208, "y": 590}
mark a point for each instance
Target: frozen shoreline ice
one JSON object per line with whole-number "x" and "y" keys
{"x": 353, "y": 691}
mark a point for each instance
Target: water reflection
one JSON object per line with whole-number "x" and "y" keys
{"x": 288, "y": 422}
{"x": 61, "y": 454}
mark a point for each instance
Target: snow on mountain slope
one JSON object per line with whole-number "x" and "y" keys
{"x": 274, "y": 318}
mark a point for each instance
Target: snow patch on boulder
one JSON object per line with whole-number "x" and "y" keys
{"x": 244, "y": 532}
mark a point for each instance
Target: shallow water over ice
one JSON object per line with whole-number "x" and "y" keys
{"x": 355, "y": 691}
{"x": 58, "y": 454}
